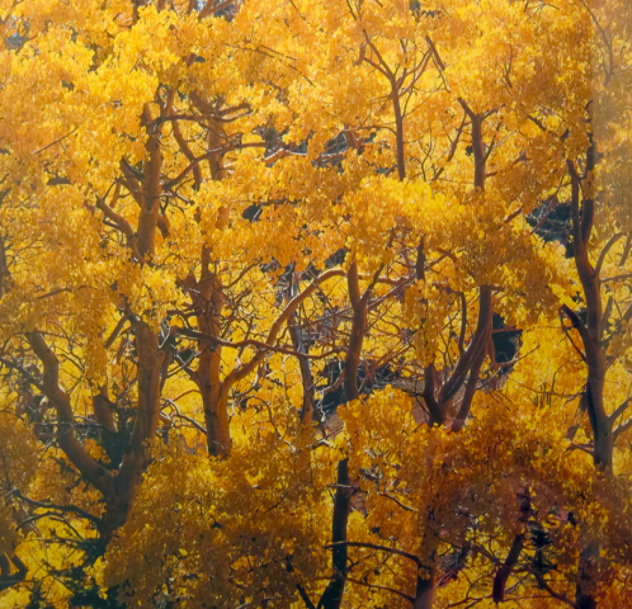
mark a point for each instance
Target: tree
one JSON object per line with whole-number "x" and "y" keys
{"x": 255, "y": 263}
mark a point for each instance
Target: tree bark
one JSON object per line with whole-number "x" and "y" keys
{"x": 136, "y": 458}
{"x": 424, "y": 589}
{"x": 91, "y": 470}
{"x": 591, "y": 334}
{"x": 466, "y": 372}
{"x": 207, "y": 299}
{"x": 358, "y": 328}
{"x": 151, "y": 188}
{"x": 307, "y": 378}
{"x": 332, "y": 596}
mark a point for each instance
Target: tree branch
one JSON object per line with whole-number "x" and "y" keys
{"x": 91, "y": 469}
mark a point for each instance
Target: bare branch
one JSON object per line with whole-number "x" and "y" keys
{"x": 374, "y": 546}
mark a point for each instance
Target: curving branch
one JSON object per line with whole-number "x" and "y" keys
{"x": 88, "y": 467}
{"x": 245, "y": 369}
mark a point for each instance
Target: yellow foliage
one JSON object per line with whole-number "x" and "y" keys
{"x": 318, "y": 304}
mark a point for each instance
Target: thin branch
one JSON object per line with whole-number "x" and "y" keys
{"x": 305, "y": 597}
{"x": 25, "y": 373}
{"x": 605, "y": 250}
{"x": 57, "y": 141}
{"x": 622, "y": 428}
{"x": 576, "y": 323}
{"x": 619, "y": 410}
{"x": 437, "y": 57}
{"x": 557, "y": 595}
{"x": 184, "y": 416}
{"x": 374, "y": 546}
{"x": 407, "y": 508}
{"x": 72, "y": 509}
{"x": 242, "y": 371}
{"x": 378, "y": 587}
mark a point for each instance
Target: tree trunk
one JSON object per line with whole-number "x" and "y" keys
{"x": 332, "y": 596}
{"x": 136, "y": 458}
{"x": 582, "y": 217}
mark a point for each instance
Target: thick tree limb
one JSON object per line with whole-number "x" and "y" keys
{"x": 503, "y": 573}
{"x": 135, "y": 460}
{"x": 89, "y": 468}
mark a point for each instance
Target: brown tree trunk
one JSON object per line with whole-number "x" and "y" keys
{"x": 307, "y": 378}
{"x": 399, "y": 131}
{"x": 151, "y": 188}
{"x": 424, "y": 589}
{"x": 91, "y": 470}
{"x": 466, "y": 373}
{"x": 332, "y": 596}
{"x": 591, "y": 333}
{"x": 358, "y": 329}
{"x": 136, "y": 458}
{"x": 476, "y": 354}
{"x": 207, "y": 299}
{"x": 117, "y": 489}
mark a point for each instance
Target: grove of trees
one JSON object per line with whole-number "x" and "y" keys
{"x": 315, "y": 304}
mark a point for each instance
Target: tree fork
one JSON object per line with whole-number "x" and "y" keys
{"x": 207, "y": 298}
{"x": 136, "y": 458}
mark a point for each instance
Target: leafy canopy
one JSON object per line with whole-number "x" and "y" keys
{"x": 315, "y": 304}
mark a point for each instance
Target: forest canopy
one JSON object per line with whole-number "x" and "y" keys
{"x": 315, "y": 304}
